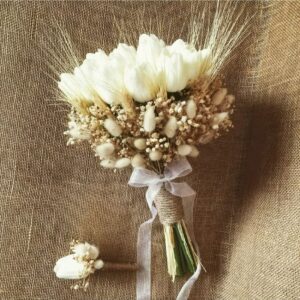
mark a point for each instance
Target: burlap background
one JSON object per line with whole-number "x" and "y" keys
{"x": 248, "y": 189}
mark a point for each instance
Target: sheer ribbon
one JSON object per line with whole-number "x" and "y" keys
{"x": 147, "y": 178}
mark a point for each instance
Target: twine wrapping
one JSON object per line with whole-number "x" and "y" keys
{"x": 169, "y": 207}
{"x": 154, "y": 182}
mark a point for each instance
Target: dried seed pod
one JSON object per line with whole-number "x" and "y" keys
{"x": 149, "y": 119}
{"x": 112, "y": 127}
{"x": 138, "y": 161}
{"x": 105, "y": 150}
{"x": 207, "y": 137}
{"x": 108, "y": 163}
{"x": 219, "y": 96}
{"x": 122, "y": 163}
{"x": 140, "y": 143}
{"x": 219, "y": 118}
{"x": 155, "y": 155}
{"x": 184, "y": 150}
{"x": 171, "y": 127}
{"x": 194, "y": 152}
{"x": 191, "y": 109}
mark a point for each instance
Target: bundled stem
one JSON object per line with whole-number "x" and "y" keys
{"x": 180, "y": 251}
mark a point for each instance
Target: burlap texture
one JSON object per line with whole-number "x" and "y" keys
{"x": 247, "y": 210}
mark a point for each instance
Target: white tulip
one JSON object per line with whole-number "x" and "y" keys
{"x": 124, "y": 54}
{"x": 68, "y": 267}
{"x": 149, "y": 50}
{"x": 141, "y": 83}
{"x": 74, "y": 88}
{"x": 105, "y": 75}
{"x": 175, "y": 72}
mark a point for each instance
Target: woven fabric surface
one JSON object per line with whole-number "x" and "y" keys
{"x": 247, "y": 213}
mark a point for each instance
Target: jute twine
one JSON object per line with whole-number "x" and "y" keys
{"x": 169, "y": 207}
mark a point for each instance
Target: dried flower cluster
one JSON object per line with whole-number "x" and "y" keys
{"x": 81, "y": 263}
{"x": 145, "y": 106}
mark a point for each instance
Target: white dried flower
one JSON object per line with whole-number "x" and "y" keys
{"x": 175, "y": 72}
{"x": 140, "y": 143}
{"x": 108, "y": 163}
{"x": 207, "y": 137}
{"x": 141, "y": 83}
{"x": 76, "y": 131}
{"x": 191, "y": 109}
{"x": 105, "y": 150}
{"x": 98, "y": 264}
{"x": 219, "y": 96}
{"x": 155, "y": 155}
{"x": 68, "y": 267}
{"x": 171, "y": 127}
{"x": 122, "y": 163}
{"x": 184, "y": 150}
{"x": 138, "y": 161}
{"x": 219, "y": 118}
{"x": 86, "y": 249}
{"x": 112, "y": 127}
{"x": 194, "y": 152}
{"x": 149, "y": 119}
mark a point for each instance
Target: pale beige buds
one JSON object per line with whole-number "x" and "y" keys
{"x": 138, "y": 161}
{"x": 207, "y": 137}
{"x": 191, "y": 109}
{"x": 149, "y": 119}
{"x": 122, "y": 163}
{"x": 171, "y": 127}
{"x": 155, "y": 155}
{"x": 108, "y": 163}
{"x": 112, "y": 127}
{"x": 105, "y": 150}
{"x": 219, "y": 118}
{"x": 194, "y": 152}
{"x": 140, "y": 143}
{"x": 219, "y": 96}
{"x": 184, "y": 150}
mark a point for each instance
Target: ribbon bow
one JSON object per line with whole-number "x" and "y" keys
{"x": 142, "y": 178}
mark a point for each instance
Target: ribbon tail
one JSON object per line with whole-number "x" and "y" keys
{"x": 143, "y": 283}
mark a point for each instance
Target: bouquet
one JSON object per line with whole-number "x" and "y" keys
{"x": 150, "y": 106}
